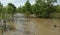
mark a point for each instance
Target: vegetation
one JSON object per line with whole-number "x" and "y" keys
{"x": 42, "y": 9}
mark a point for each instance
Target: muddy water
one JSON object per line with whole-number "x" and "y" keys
{"x": 35, "y": 26}
{"x": 24, "y": 26}
{"x": 46, "y": 26}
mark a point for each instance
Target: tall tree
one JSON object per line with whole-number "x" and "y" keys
{"x": 28, "y": 6}
{"x": 1, "y": 8}
{"x": 11, "y": 9}
{"x": 2, "y": 13}
{"x": 58, "y": 8}
{"x": 43, "y": 8}
{"x": 20, "y": 10}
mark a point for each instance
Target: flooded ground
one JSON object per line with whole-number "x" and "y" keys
{"x": 34, "y": 26}
{"x": 46, "y": 26}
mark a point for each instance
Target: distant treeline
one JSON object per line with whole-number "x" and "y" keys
{"x": 41, "y": 8}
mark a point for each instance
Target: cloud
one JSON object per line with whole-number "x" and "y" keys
{"x": 17, "y": 3}
{"x": 32, "y": 1}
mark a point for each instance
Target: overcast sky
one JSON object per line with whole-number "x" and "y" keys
{"x": 17, "y": 3}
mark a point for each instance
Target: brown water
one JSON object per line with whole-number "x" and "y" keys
{"x": 35, "y": 26}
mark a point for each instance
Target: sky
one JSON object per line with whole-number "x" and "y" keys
{"x": 18, "y": 3}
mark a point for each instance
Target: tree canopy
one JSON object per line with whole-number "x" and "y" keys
{"x": 41, "y": 8}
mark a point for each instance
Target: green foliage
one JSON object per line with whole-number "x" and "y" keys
{"x": 27, "y": 7}
{"x": 20, "y": 10}
{"x": 57, "y": 12}
{"x": 11, "y": 9}
{"x": 58, "y": 8}
{"x": 1, "y": 8}
{"x": 43, "y": 8}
